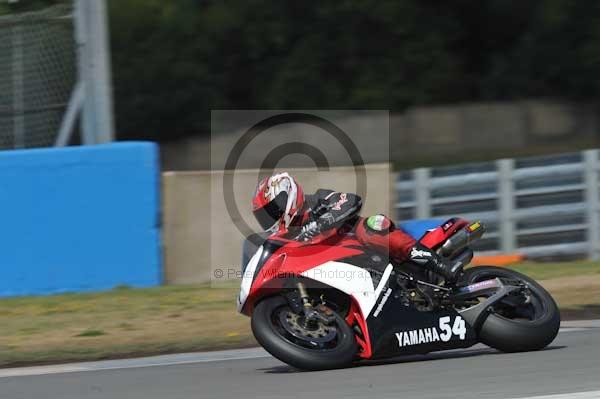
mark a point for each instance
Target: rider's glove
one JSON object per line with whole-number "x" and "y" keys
{"x": 309, "y": 230}
{"x": 312, "y": 229}
{"x": 326, "y": 221}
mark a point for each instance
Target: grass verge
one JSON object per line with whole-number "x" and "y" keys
{"x": 120, "y": 323}
{"x": 128, "y": 322}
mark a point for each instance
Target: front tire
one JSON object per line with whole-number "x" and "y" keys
{"x": 273, "y": 338}
{"x": 510, "y": 334}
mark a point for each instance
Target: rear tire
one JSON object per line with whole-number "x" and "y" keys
{"x": 510, "y": 335}
{"x": 267, "y": 334}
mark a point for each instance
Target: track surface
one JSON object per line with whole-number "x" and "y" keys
{"x": 571, "y": 364}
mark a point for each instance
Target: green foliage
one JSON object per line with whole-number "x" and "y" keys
{"x": 26, "y": 5}
{"x": 174, "y": 61}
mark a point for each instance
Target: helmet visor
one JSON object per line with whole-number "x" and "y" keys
{"x": 271, "y": 213}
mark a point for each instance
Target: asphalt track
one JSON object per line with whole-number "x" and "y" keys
{"x": 569, "y": 368}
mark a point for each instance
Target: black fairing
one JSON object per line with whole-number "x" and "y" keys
{"x": 372, "y": 261}
{"x": 250, "y": 247}
{"x": 395, "y": 317}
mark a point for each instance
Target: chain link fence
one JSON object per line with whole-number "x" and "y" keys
{"x": 37, "y": 74}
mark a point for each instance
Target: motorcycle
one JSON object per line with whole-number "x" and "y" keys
{"x": 324, "y": 302}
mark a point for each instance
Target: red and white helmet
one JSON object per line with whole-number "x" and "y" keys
{"x": 277, "y": 200}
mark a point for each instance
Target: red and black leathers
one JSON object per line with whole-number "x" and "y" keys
{"x": 389, "y": 240}
{"x": 327, "y": 209}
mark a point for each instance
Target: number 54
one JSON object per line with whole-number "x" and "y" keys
{"x": 458, "y": 328}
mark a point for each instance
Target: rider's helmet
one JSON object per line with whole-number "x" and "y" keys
{"x": 276, "y": 201}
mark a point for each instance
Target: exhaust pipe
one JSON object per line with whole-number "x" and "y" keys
{"x": 462, "y": 239}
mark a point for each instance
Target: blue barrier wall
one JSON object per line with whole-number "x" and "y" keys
{"x": 79, "y": 218}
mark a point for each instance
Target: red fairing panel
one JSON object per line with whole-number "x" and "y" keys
{"x": 438, "y": 236}
{"x": 364, "y": 342}
{"x": 294, "y": 259}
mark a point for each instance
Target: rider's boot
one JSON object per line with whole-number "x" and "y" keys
{"x": 431, "y": 261}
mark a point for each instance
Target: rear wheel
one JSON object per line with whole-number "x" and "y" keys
{"x": 309, "y": 346}
{"x": 525, "y": 321}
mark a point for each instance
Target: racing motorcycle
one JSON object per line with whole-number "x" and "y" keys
{"x": 324, "y": 302}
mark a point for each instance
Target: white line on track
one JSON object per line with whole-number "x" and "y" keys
{"x": 200, "y": 357}
{"x": 153, "y": 361}
{"x": 574, "y": 395}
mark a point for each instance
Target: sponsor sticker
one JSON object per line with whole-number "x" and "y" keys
{"x": 482, "y": 285}
{"x": 417, "y": 253}
{"x": 474, "y": 226}
{"x": 338, "y": 205}
{"x": 443, "y": 332}
{"x": 382, "y": 303}
{"x": 448, "y": 225}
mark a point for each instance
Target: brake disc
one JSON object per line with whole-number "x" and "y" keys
{"x": 294, "y": 325}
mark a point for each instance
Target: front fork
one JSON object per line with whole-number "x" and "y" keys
{"x": 306, "y": 303}
{"x": 300, "y": 302}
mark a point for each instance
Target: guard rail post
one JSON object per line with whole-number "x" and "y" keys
{"x": 506, "y": 205}
{"x": 591, "y": 164}
{"x": 422, "y": 193}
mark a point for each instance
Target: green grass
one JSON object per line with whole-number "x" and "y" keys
{"x": 128, "y": 322}
{"x": 121, "y": 322}
{"x": 545, "y": 271}
{"x": 91, "y": 333}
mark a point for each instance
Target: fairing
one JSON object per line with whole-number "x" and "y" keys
{"x": 271, "y": 267}
{"x": 385, "y": 325}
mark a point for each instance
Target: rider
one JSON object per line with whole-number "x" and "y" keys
{"x": 279, "y": 203}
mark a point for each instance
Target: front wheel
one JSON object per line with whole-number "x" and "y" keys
{"x": 286, "y": 336}
{"x": 527, "y": 322}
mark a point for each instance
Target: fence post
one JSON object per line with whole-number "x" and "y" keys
{"x": 94, "y": 71}
{"x": 506, "y": 199}
{"x": 18, "y": 87}
{"x": 592, "y": 198}
{"x": 423, "y": 206}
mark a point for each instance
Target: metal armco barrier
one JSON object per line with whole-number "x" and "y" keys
{"x": 541, "y": 207}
